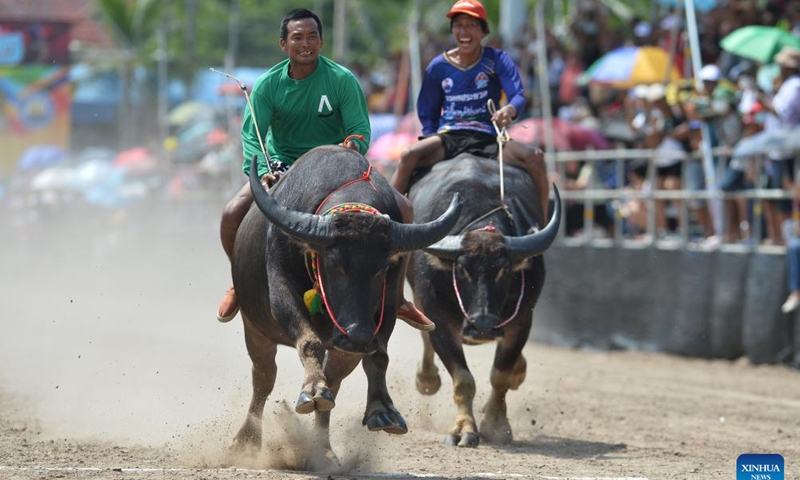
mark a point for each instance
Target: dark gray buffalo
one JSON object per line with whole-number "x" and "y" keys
{"x": 331, "y": 203}
{"x": 479, "y": 284}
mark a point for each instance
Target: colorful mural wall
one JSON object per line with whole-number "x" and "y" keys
{"x": 35, "y": 92}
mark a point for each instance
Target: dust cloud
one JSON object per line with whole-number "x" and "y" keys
{"x": 108, "y": 334}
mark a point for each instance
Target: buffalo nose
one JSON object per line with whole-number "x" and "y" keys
{"x": 357, "y": 340}
{"x": 482, "y": 328}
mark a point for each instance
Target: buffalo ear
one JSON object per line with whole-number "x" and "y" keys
{"x": 439, "y": 263}
{"x": 525, "y": 264}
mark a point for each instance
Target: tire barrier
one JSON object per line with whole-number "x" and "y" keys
{"x": 765, "y": 330}
{"x": 721, "y": 304}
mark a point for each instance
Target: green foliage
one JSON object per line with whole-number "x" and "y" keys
{"x": 133, "y": 24}
{"x": 376, "y": 30}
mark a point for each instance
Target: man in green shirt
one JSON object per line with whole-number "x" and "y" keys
{"x": 302, "y": 102}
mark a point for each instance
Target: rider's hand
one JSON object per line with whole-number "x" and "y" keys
{"x": 268, "y": 179}
{"x": 538, "y": 154}
{"x": 504, "y": 116}
{"x": 350, "y": 145}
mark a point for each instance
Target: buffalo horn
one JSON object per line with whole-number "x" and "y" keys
{"x": 305, "y": 227}
{"x": 407, "y": 237}
{"x": 519, "y": 248}
{"x": 536, "y": 243}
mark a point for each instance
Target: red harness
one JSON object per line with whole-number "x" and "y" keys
{"x": 489, "y": 228}
{"x": 315, "y": 267}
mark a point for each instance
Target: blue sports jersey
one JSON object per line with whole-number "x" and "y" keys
{"x": 454, "y": 98}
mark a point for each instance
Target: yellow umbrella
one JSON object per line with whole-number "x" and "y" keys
{"x": 626, "y": 67}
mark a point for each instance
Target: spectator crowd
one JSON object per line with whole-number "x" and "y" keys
{"x": 734, "y": 97}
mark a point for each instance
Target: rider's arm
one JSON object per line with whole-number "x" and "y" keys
{"x": 355, "y": 114}
{"x": 429, "y": 102}
{"x": 510, "y": 80}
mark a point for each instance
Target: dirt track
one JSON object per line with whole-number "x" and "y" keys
{"x": 112, "y": 366}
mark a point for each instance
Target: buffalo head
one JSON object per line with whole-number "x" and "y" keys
{"x": 358, "y": 260}
{"x": 488, "y": 273}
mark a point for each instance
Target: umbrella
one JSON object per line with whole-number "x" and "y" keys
{"x": 700, "y": 5}
{"x": 41, "y": 156}
{"x": 231, "y": 88}
{"x": 566, "y": 135}
{"x": 390, "y": 145}
{"x": 626, "y": 67}
{"x": 51, "y": 178}
{"x": 758, "y": 42}
{"x": 217, "y": 136}
{"x": 136, "y": 160}
{"x": 95, "y": 153}
{"x": 621, "y": 132}
{"x": 189, "y": 112}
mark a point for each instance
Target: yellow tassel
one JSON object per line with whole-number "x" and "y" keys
{"x": 308, "y": 298}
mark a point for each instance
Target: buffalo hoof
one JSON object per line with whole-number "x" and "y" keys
{"x": 305, "y": 403}
{"x": 469, "y": 440}
{"x": 326, "y": 462}
{"x": 498, "y": 433}
{"x": 323, "y": 401}
{"x": 389, "y": 422}
{"x": 428, "y": 383}
{"x": 248, "y": 439}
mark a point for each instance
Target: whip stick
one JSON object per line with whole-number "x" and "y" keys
{"x": 252, "y": 115}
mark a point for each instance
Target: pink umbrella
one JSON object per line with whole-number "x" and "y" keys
{"x": 410, "y": 124}
{"x": 566, "y": 135}
{"x": 583, "y": 138}
{"x": 136, "y": 160}
{"x": 532, "y": 130}
{"x": 231, "y": 88}
{"x": 218, "y": 136}
{"x": 390, "y": 146}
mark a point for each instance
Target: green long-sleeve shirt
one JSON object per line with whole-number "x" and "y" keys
{"x": 298, "y": 115}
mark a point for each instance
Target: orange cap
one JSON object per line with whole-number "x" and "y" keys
{"x": 473, "y": 8}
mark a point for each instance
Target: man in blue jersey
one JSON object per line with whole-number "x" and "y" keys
{"x": 453, "y": 109}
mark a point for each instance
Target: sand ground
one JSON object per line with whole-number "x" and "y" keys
{"x": 113, "y": 366}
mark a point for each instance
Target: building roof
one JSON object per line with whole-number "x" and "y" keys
{"x": 79, "y": 13}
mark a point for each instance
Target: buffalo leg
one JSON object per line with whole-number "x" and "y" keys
{"x": 262, "y": 353}
{"x": 428, "y": 379}
{"x": 380, "y": 413}
{"x": 508, "y": 372}
{"x": 337, "y": 367}
{"x": 447, "y": 343}
{"x": 315, "y": 394}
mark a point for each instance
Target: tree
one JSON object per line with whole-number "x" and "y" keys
{"x": 133, "y": 24}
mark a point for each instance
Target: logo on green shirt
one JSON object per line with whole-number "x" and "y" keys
{"x": 324, "y": 109}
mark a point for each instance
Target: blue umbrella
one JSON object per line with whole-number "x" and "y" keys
{"x": 700, "y": 5}
{"x": 41, "y": 156}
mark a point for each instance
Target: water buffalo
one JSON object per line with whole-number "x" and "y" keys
{"x": 332, "y": 219}
{"x": 479, "y": 284}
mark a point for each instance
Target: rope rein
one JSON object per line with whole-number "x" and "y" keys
{"x": 504, "y": 322}
{"x": 502, "y": 207}
{"x": 365, "y": 177}
{"x": 502, "y": 138}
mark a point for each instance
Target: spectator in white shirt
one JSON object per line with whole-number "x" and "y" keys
{"x": 784, "y": 109}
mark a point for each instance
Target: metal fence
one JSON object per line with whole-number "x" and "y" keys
{"x": 620, "y": 157}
